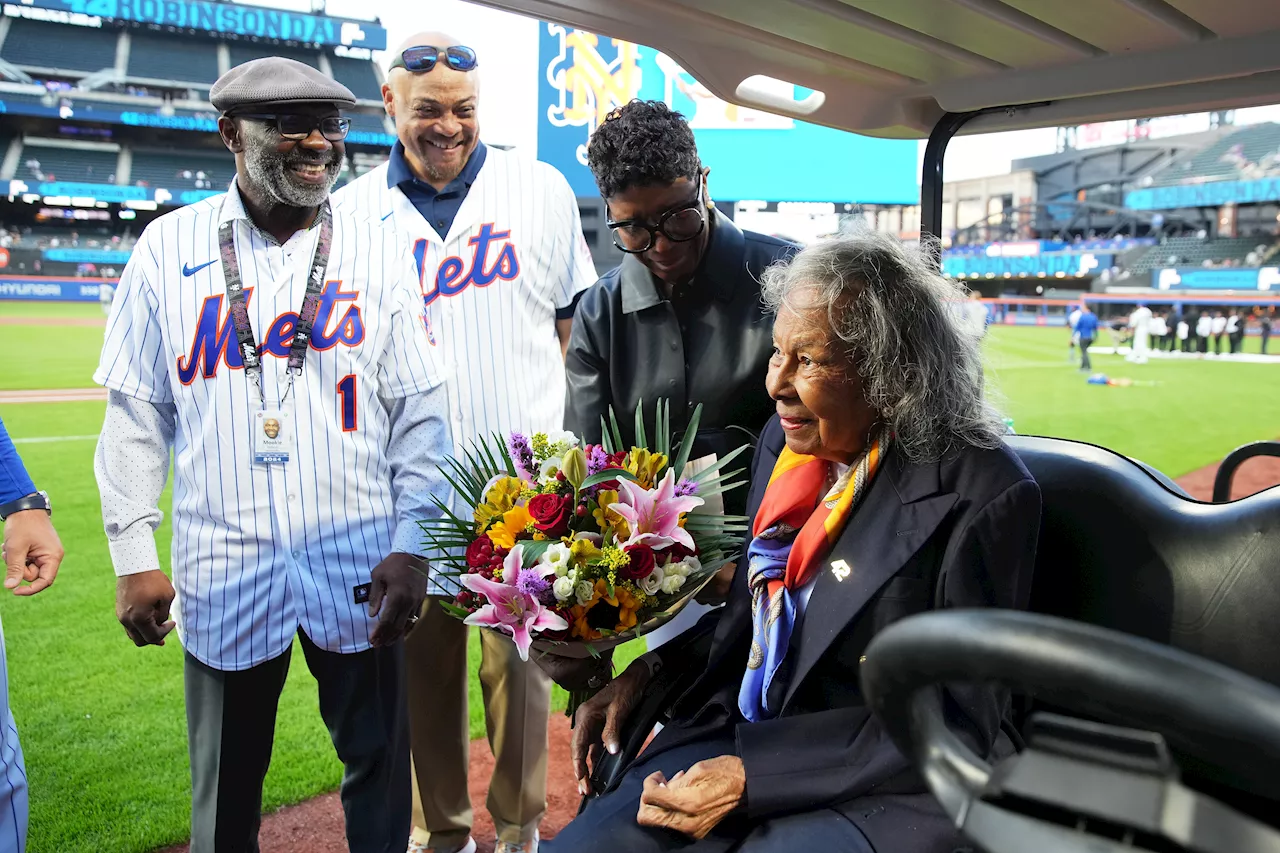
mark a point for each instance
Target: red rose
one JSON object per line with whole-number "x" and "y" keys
{"x": 640, "y": 565}
{"x": 480, "y": 552}
{"x": 550, "y": 514}
{"x": 675, "y": 552}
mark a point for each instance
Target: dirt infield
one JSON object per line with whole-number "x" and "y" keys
{"x": 53, "y": 321}
{"x": 54, "y": 395}
{"x": 316, "y": 825}
{"x": 1260, "y": 472}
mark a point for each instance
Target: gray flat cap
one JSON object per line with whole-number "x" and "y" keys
{"x": 276, "y": 80}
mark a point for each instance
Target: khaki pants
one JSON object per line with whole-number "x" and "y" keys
{"x": 517, "y": 701}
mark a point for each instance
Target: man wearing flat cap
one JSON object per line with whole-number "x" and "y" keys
{"x": 278, "y": 348}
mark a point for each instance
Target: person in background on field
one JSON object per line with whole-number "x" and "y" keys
{"x": 1160, "y": 331}
{"x": 1235, "y": 331}
{"x": 502, "y": 258}
{"x": 1264, "y": 327}
{"x": 1218, "y": 329}
{"x": 1074, "y": 338}
{"x": 32, "y": 555}
{"x": 1184, "y": 333}
{"x": 1087, "y": 332}
{"x": 106, "y": 293}
{"x": 1204, "y": 328}
{"x": 1140, "y": 322}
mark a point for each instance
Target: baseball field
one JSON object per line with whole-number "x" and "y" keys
{"x": 102, "y": 722}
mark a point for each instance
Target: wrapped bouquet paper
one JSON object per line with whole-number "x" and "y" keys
{"x": 572, "y": 549}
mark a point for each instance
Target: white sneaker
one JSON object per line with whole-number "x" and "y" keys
{"x": 469, "y": 847}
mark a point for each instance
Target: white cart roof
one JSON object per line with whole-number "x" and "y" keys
{"x": 893, "y": 67}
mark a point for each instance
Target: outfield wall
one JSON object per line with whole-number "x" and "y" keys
{"x": 50, "y": 289}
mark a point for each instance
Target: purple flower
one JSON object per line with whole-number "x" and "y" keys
{"x": 685, "y": 488}
{"x": 522, "y": 455}
{"x": 532, "y": 583}
{"x": 509, "y": 609}
{"x": 597, "y": 460}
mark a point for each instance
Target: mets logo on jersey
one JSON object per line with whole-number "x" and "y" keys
{"x": 211, "y": 342}
{"x": 493, "y": 258}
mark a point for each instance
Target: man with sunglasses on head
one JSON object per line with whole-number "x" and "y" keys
{"x": 499, "y": 245}
{"x": 277, "y": 348}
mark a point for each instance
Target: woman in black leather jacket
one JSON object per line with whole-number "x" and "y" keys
{"x": 681, "y": 317}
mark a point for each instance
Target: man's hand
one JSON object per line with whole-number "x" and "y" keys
{"x": 142, "y": 606}
{"x": 32, "y": 552}
{"x": 600, "y": 719}
{"x": 717, "y": 589}
{"x": 397, "y": 592}
{"x": 696, "y": 800}
{"x": 577, "y": 675}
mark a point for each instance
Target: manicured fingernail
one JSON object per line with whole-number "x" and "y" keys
{"x": 613, "y": 748}
{"x": 582, "y": 787}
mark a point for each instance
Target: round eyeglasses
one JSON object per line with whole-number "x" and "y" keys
{"x": 678, "y": 225}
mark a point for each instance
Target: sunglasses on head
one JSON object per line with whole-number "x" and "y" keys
{"x": 299, "y": 127}
{"x": 424, "y": 58}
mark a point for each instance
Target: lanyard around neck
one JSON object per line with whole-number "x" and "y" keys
{"x": 239, "y": 309}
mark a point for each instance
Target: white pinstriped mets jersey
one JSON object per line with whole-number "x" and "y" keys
{"x": 259, "y": 549}
{"x": 513, "y": 256}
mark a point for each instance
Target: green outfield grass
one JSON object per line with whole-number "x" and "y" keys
{"x": 102, "y": 722}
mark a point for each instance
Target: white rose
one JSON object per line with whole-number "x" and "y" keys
{"x": 562, "y": 440}
{"x": 563, "y": 588}
{"x": 584, "y": 591}
{"x": 672, "y": 583}
{"x": 557, "y": 557}
{"x": 653, "y": 582}
{"x": 692, "y": 565}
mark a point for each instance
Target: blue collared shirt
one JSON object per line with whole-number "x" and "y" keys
{"x": 438, "y": 207}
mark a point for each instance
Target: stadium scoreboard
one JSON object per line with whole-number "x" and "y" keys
{"x": 222, "y": 18}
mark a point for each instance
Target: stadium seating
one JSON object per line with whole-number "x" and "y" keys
{"x": 366, "y": 122}
{"x": 358, "y": 76}
{"x": 1193, "y": 252}
{"x": 242, "y": 52}
{"x": 181, "y": 169}
{"x": 1220, "y": 161}
{"x": 47, "y": 163}
{"x": 38, "y": 44}
{"x": 167, "y": 57}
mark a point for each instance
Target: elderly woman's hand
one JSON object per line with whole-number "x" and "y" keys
{"x": 599, "y": 720}
{"x": 696, "y": 800}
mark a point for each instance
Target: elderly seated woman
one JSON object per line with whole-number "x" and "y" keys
{"x": 880, "y": 489}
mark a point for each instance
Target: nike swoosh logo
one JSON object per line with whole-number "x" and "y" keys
{"x": 188, "y": 271}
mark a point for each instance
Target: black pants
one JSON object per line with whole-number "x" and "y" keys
{"x": 1085, "y": 364}
{"x": 1237, "y": 340}
{"x": 609, "y": 821}
{"x": 231, "y": 719}
{"x": 1266, "y": 336}
{"x": 1217, "y": 344}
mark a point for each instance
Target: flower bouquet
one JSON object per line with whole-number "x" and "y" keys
{"x": 572, "y": 549}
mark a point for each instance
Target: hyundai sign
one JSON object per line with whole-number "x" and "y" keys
{"x": 216, "y": 17}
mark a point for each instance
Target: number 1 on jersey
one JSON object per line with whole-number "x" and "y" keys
{"x": 347, "y": 402}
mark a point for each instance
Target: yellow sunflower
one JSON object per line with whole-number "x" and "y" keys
{"x": 513, "y": 523}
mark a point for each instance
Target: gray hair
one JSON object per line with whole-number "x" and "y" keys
{"x": 894, "y": 312}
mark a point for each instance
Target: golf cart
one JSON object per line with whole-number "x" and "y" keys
{"x": 1146, "y": 670}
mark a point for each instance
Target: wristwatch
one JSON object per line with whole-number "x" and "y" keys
{"x": 38, "y": 500}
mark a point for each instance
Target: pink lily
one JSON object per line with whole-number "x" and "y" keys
{"x": 653, "y": 515}
{"x": 512, "y": 609}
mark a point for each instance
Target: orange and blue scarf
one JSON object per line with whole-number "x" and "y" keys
{"x": 794, "y": 530}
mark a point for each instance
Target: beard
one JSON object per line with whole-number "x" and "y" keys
{"x": 272, "y": 171}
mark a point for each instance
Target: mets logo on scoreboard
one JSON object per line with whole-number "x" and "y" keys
{"x": 586, "y": 84}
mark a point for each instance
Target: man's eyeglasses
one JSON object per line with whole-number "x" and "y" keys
{"x": 424, "y": 58}
{"x": 299, "y": 127}
{"x": 678, "y": 225}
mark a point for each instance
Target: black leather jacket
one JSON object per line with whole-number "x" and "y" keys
{"x": 710, "y": 345}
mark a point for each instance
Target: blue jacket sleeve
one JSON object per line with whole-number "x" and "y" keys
{"x": 14, "y": 482}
